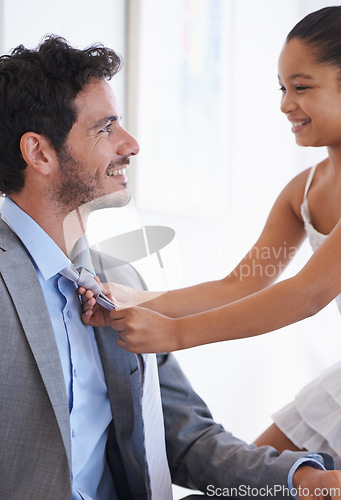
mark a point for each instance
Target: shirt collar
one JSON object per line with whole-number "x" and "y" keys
{"x": 45, "y": 253}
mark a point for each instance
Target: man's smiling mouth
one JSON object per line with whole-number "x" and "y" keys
{"x": 116, "y": 171}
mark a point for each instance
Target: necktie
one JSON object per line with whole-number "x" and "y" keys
{"x": 159, "y": 481}
{"x": 84, "y": 278}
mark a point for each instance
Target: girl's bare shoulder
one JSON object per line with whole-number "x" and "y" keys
{"x": 294, "y": 190}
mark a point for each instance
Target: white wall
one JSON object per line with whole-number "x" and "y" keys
{"x": 81, "y": 22}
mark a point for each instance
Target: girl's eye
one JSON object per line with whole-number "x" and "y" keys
{"x": 301, "y": 87}
{"x": 298, "y": 88}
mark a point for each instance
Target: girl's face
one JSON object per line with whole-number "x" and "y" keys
{"x": 311, "y": 96}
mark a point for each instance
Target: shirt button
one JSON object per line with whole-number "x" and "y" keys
{"x": 75, "y": 372}
{"x": 73, "y": 433}
{"x": 69, "y": 314}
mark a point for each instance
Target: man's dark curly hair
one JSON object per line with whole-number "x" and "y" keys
{"x": 37, "y": 92}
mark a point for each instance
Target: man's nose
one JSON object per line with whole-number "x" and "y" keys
{"x": 128, "y": 145}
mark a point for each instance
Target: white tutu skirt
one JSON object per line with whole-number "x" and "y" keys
{"x": 313, "y": 420}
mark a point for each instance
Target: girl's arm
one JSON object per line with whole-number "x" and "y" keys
{"x": 283, "y": 233}
{"x": 284, "y": 303}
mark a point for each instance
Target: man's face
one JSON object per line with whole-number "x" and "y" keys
{"x": 93, "y": 161}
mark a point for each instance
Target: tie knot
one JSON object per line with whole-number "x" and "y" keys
{"x": 84, "y": 278}
{"x": 87, "y": 280}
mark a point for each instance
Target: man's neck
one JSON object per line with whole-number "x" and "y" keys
{"x": 63, "y": 228}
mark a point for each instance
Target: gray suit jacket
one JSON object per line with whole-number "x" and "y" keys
{"x": 35, "y": 444}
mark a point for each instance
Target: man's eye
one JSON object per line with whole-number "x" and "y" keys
{"x": 106, "y": 129}
{"x": 282, "y": 89}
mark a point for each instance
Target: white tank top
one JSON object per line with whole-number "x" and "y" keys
{"x": 315, "y": 238}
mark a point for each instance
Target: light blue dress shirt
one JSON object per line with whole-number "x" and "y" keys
{"x": 90, "y": 412}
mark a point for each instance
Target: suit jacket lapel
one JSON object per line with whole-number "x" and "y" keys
{"x": 122, "y": 379}
{"x": 23, "y": 284}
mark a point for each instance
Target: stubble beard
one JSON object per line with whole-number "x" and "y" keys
{"x": 74, "y": 191}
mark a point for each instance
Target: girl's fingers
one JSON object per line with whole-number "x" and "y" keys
{"x": 89, "y": 304}
{"x": 84, "y": 293}
{"x": 86, "y": 316}
{"x": 120, "y": 326}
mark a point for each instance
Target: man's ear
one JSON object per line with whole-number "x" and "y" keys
{"x": 37, "y": 152}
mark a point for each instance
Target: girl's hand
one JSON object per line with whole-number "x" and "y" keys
{"x": 93, "y": 313}
{"x": 142, "y": 330}
{"x": 122, "y": 295}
